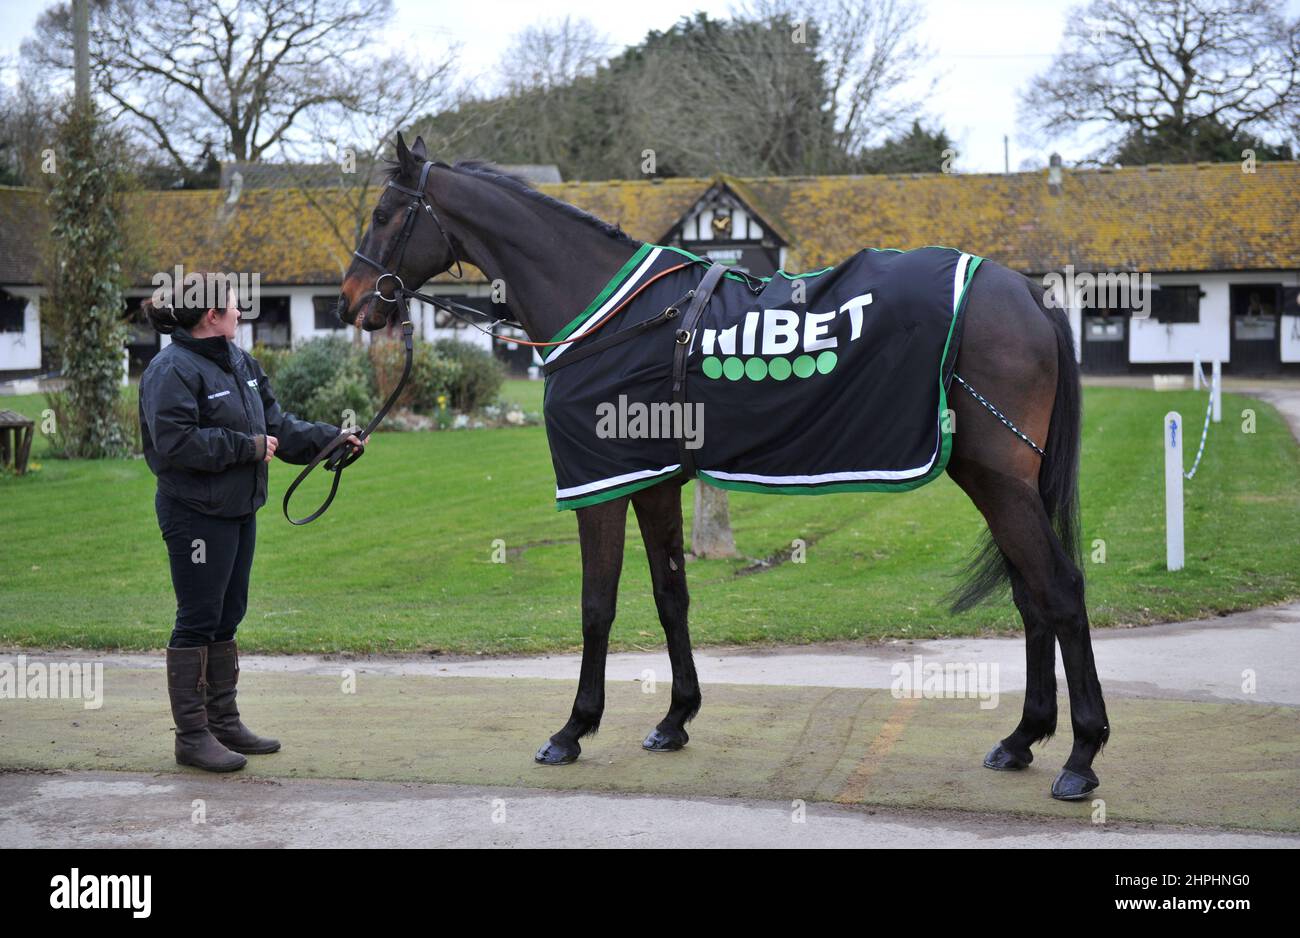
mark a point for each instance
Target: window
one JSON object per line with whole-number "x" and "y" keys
{"x": 140, "y": 330}
{"x": 271, "y": 327}
{"x": 326, "y": 310}
{"x": 13, "y": 313}
{"x": 1171, "y": 304}
{"x": 1291, "y": 301}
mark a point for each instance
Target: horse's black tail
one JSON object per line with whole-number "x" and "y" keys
{"x": 1058, "y": 475}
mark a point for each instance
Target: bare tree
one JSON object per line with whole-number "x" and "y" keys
{"x": 239, "y": 73}
{"x": 357, "y": 132}
{"x": 869, "y": 49}
{"x": 26, "y": 119}
{"x": 755, "y": 90}
{"x": 552, "y": 54}
{"x": 711, "y": 525}
{"x": 1147, "y": 65}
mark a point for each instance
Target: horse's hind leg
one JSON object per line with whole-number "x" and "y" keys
{"x": 1048, "y": 589}
{"x": 1038, "y": 718}
{"x": 659, "y": 514}
{"x": 601, "y": 533}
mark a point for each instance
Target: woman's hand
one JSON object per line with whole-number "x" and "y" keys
{"x": 356, "y": 442}
{"x": 271, "y": 445}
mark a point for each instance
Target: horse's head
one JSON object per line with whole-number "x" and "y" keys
{"x": 404, "y": 245}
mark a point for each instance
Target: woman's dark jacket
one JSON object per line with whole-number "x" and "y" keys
{"x": 205, "y": 409}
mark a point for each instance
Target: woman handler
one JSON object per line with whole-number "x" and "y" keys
{"x": 210, "y": 424}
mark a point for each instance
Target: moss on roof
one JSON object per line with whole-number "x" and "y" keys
{"x": 1154, "y": 218}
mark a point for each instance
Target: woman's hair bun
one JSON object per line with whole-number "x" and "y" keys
{"x": 165, "y": 318}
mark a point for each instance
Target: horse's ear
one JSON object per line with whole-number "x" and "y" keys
{"x": 403, "y": 155}
{"x": 418, "y": 151}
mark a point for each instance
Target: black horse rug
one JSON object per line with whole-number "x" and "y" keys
{"x": 831, "y": 381}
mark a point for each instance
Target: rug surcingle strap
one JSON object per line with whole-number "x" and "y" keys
{"x": 614, "y": 338}
{"x": 682, "y": 350}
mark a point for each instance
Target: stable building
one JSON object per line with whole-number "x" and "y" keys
{"x": 1218, "y": 245}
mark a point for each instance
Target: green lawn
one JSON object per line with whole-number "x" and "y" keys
{"x": 403, "y": 560}
{"x": 527, "y": 394}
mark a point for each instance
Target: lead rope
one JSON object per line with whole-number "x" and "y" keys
{"x": 997, "y": 413}
{"x": 337, "y": 455}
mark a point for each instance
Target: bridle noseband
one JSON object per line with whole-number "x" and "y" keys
{"x": 419, "y": 198}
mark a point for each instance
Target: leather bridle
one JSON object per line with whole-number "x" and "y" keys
{"x": 419, "y": 199}
{"x": 338, "y": 454}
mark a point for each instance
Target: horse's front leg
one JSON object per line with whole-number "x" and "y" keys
{"x": 659, "y": 513}
{"x": 601, "y": 534}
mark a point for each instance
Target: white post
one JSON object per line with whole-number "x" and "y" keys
{"x": 126, "y": 366}
{"x": 1172, "y": 429}
{"x": 1196, "y": 371}
{"x": 1216, "y": 391}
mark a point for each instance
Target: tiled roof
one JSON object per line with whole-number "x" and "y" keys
{"x": 22, "y": 231}
{"x": 313, "y": 175}
{"x": 1157, "y": 218}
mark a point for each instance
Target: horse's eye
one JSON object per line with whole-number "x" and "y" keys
{"x": 381, "y": 218}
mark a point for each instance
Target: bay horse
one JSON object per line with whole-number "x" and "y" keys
{"x": 1016, "y": 349}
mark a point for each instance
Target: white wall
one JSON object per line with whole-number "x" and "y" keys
{"x": 21, "y": 351}
{"x": 302, "y": 317}
{"x": 1290, "y": 338}
{"x": 1154, "y": 342}
{"x": 1149, "y": 341}
{"x": 422, "y": 315}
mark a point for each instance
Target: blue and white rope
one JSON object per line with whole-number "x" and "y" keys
{"x": 997, "y": 413}
{"x": 1204, "y": 432}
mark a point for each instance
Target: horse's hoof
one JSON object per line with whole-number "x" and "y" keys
{"x": 1002, "y": 759}
{"x": 1071, "y": 786}
{"x": 659, "y": 741}
{"x": 555, "y": 754}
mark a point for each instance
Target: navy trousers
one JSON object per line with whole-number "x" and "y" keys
{"x": 211, "y": 559}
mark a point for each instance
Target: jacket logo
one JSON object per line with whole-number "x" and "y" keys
{"x": 252, "y": 382}
{"x": 218, "y": 394}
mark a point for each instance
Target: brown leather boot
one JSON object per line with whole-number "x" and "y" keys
{"x": 186, "y": 686}
{"x": 223, "y": 714}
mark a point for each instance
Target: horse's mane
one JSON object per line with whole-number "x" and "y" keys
{"x": 487, "y": 171}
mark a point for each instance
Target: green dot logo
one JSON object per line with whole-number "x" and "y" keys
{"x": 734, "y": 368}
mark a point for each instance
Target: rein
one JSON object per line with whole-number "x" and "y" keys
{"x": 338, "y": 454}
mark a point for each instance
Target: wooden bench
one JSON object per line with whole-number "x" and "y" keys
{"x": 15, "y": 440}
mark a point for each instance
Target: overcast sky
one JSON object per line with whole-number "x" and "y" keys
{"x": 984, "y": 53}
